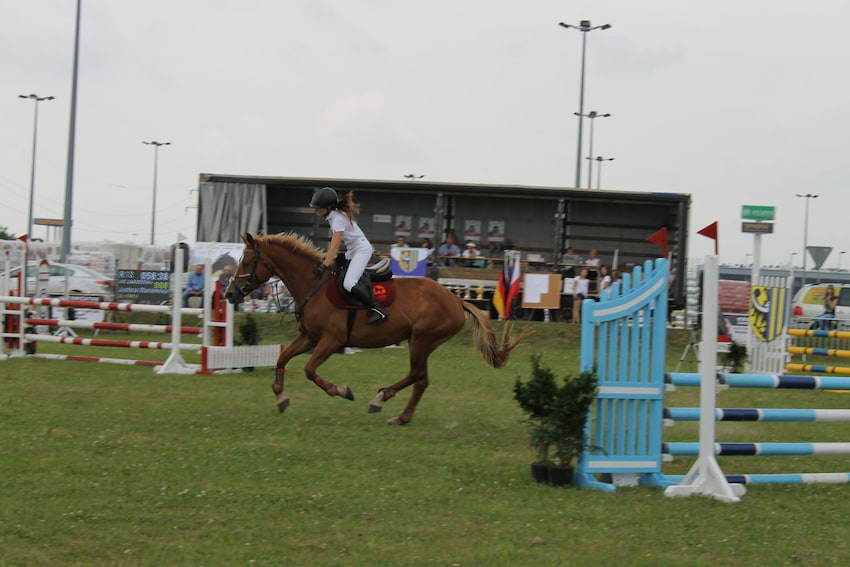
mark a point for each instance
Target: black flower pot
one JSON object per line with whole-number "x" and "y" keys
{"x": 561, "y": 476}
{"x": 540, "y": 471}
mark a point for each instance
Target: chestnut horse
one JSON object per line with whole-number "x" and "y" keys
{"x": 424, "y": 313}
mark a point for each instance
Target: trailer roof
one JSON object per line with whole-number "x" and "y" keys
{"x": 419, "y": 186}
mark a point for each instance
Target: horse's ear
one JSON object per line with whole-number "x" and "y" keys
{"x": 248, "y": 239}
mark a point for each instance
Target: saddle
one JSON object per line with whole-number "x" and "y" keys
{"x": 378, "y": 276}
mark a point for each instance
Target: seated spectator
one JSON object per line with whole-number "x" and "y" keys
{"x": 195, "y": 285}
{"x": 426, "y": 243}
{"x": 471, "y": 254}
{"x": 224, "y": 277}
{"x": 448, "y": 248}
{"x": 570, "y": 260}
{"x": 399, "y": 243}
{"x": 592, "y": 259}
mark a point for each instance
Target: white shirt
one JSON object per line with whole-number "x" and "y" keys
{"x": 581, "y": 286}
{"x": 592, "y": 262}
{"x": 352, "y": 236}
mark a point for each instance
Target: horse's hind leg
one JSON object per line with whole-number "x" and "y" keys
{"x": 418, "y": 376}
{"x": 323, "y": 350}
{"x": 300, "y": 344}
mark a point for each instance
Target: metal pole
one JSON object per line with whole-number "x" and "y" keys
{"x": 69, "y": 175}
{"x": 590, "y": 153}
{"x": 805, "y": 238}
{"x": 580, "y": 111}
{"x": 153, "y": 208}
{"x": 599, "y": 173}
{"x": 32, "y": 170}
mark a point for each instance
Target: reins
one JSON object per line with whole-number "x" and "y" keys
{"x": 257, "y": 259}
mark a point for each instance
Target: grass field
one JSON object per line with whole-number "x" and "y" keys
{"x": 114, "y": 465}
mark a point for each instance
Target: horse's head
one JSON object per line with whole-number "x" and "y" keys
{"x": 251, "y": 272}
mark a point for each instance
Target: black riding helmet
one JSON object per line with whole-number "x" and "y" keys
{"x": 324, "y": 198}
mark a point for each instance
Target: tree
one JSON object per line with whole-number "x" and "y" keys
{"x": 5, "y": 234}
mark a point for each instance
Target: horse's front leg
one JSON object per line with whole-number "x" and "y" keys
{"x": 300, "y": 344}
{"x": 326, "y": 347}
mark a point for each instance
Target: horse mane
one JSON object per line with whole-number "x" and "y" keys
{"x": 297, "y": 243}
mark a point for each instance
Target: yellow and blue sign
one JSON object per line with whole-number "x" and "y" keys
{"x": 768, "y": 313}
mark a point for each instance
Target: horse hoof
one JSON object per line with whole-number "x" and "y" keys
{"x": 396, "y": 421}
{"x": 282, "y": 404}
{"x": 374, "y": 408}
{"x": 347, "y": 393}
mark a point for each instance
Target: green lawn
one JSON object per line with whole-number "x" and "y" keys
{"x": 114, "y": 465}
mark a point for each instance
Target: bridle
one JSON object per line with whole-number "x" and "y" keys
{"x": 256, "y": 259}
{"x": 252, "y": 277}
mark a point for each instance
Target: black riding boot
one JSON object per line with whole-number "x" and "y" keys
{"x": 363, "y": 294}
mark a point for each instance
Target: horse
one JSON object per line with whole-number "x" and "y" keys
{"x": 424, "y": 313}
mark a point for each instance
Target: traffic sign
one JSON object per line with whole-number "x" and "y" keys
{"x": 758, "y": 212}
{"x": 757, "y": 227}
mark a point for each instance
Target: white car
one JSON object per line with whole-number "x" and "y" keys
{"x": 81, "y": 280}
{"x": 808, "y": 303}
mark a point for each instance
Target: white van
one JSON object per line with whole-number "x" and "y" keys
{"x": 808, "y": 301}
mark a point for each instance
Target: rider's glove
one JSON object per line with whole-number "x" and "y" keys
{"x": 319, "y": 271}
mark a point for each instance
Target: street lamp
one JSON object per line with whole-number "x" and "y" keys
{"x": 807, "y": 197}
{"x": 839, "y": 258}
{"x": 583, "y": 27}
{"x": 156, "y": 146}
{"x": 747, "y": 257}
{"x": 36, "y": 99}
{"x": 412, "y": 176}
{"x": 592, "y": 114}
{"x": 598, "y": 160}
{"x": 792, "y": 259}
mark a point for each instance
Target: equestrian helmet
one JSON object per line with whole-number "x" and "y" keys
{"x": 324, "y": 198}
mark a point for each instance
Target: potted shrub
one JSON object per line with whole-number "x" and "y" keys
{"x": 735, "y": 358}
{"x": 535, "y": 399}
{"x": 557, "y": 415}
{"x": 249, "y": 333}
{"x": 570, "y": 410}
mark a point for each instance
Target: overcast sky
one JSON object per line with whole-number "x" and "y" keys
{"x": 732, "y": 102}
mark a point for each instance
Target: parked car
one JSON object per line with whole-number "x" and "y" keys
{"x": 808, "y": 302}
{"x": 81, "y": 279}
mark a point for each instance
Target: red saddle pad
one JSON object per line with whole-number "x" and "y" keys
{"x": 384, "y": 292}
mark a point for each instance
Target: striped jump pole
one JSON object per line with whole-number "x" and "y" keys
{"x": 819, "y": 333}
{"x": 758, "y": 449}
{"x": 761, "y": 414}
{"x": 776, "y": 381}
{"x": 793, "y": 367}
{"x": 110, "y": 343}
{"x": 131, "y": 327}
{"x": 813, "y": 351}
{"x": 125, "y": 361}
{"x": 802, "y": 478}
{"x": 100, "y": 305}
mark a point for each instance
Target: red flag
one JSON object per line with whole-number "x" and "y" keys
{"x": 660, "y": 238}
{"x": 710, "y": 232}
{"x": 24, "y": 238}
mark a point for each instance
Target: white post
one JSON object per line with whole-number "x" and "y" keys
{"x": 706, "y": 477}
{"x": 209, "y": 287}
{"x": 175, "y": 363}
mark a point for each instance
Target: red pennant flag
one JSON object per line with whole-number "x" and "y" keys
{"x": 710, "y": 232}
{"x": 660, "y": 238}
{"x": 24, "y": 238}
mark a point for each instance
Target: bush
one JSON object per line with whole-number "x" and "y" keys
{"x": 249, "y": 332}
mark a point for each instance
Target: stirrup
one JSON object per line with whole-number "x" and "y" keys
{"x": 376, "y": 315}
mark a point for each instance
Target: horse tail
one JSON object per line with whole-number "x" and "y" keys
{"x": 495, "y": 352}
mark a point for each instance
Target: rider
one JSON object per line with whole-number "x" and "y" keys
{"x": 340, "y": 215}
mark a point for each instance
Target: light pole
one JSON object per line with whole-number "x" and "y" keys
{"x": 412, "y": 176}
{"x": 747, "y": 257}
{"x": 807, "y": 197}
{"x": 583, "y": 27}
{"x": 598, "y": 160}
{"x": 839, "y": 258}
{"x": 36, "y": 99}
{"x": 591, "y": 115}
{"x": 156, "y": 146}
{"x": 791, "y": 261}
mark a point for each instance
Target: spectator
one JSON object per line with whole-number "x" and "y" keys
{"x": 195, "y": 285}
{"x": 399, "y": 243}
{"x": 224, "y": 277}
{"x": 830, "y": 302}
{"x": 426, "y": 243}
{"x": 447, "y": 250}
{"x": 592, "y": 259}
{"x": 604, "y": 282}
{"x": 471, "y": 254}
{"x": 581, "y": 287}
{"x": 569, "y": 261}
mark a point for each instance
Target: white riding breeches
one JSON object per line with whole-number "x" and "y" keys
{"x": 357, "y": 261}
